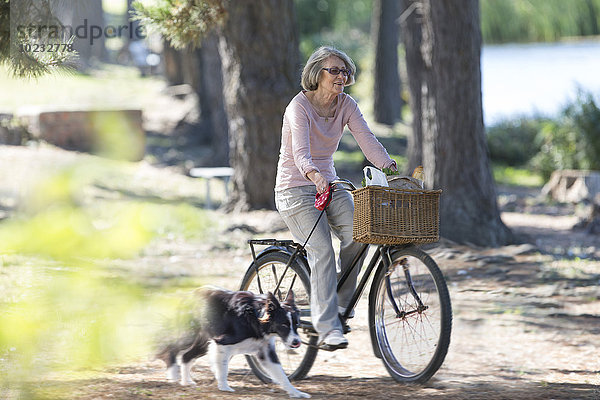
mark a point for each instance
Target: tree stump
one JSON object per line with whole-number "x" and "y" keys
{"x": 111, "y": 133}
{"x": 578, "y": 186}
{"x": 573, "y": 186}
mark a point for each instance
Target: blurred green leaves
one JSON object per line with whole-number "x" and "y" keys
{"x": 66, "y": 303}
{"x": 65, "y": 232}
{"x": 61, "y": 221}
{"x": 118, "y": 136}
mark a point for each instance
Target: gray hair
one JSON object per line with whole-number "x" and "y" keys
{"x": 312, "y": 69}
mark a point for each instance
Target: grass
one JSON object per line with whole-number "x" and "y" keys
{"x": 514, "y": 176}
{"x": 110, "y": 86}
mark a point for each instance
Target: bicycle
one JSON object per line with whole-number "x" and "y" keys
{"x": 410, "y": 315}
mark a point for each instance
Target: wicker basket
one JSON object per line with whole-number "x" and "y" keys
{"x": 396, "y": 216}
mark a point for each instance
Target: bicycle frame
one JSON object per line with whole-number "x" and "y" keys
{"x": 381, "y": 259}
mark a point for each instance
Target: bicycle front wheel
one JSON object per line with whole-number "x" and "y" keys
{"x": 295, "y": 362}
{"x": 410, "y": 316}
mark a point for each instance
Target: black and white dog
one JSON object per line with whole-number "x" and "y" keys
{"x": 231, "y": 323}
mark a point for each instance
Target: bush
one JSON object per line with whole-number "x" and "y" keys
{"x": 573, "y": 141}
{"x": 513, "y": 142}
{"x": 586, "y": 119}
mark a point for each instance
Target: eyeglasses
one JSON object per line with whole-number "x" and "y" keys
{"x": 335, "y": 71}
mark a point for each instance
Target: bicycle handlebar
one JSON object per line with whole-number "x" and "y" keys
{"x": 341, "y": 182}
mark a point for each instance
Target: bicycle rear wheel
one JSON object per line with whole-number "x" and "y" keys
{"x": 295, "y": 362}
{"x": 412, "y": 338}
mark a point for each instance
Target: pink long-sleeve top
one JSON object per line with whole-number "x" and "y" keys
{"x": 308, "y": 140}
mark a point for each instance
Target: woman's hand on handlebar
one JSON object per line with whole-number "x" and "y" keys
{"x": 342, "y": 184}
{"x": 319, "y": 181}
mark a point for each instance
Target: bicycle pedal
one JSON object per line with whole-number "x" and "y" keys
{"x": 346, "y": 328}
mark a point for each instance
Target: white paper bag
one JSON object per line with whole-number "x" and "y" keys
{"x": 374, "y": 177}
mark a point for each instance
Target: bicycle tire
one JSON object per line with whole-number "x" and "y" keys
{"x": 295, "y": 362}
{"x": 411, "y": 346}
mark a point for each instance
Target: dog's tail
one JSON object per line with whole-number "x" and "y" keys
{"x": 188, "y": 348}
{"x": 197, "y": 349}
{"x": 168, "y": 354}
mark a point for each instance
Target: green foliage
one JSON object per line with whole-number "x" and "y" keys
{"x": 390, "y": 172}
{"x": 573, "y": 141}
{"x": 585, "y": 115}
{"x": 513, "y": 141}
{"x": 182, "y": 23}
{"x": 570, "y": 141}
{"x": 538, "y": 20}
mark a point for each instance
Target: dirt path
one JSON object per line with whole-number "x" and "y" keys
{"x": 526, "y": 323}
{"x": 526, "y": 326}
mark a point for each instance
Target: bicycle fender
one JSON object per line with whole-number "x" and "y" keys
{"x": 300, "y": 258}
{"x": 381, "y": 269}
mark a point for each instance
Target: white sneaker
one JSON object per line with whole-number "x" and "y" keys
{"x": 335, "y": 340}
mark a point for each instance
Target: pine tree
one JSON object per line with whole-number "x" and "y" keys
{"x": 21, "y": 32}
{"x": 182, "y": 23}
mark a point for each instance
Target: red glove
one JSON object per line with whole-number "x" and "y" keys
{"x": 322, "y": 200}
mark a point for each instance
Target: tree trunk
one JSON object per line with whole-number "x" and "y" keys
{"x": 173, "y": 60}
{"x": 91, "y": 48}
{"x": 212, "y": 102}
{"x": 454, "y": 148}
{"x": 201, "y": 69}
{"x": 410, "y": 24}
{"x": 387, "y": 105}
{"x": 259, "y": 52}
{"x": 85, "y": 18}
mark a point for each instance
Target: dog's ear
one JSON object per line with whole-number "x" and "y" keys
{"x": 290, "y": 298}
{"x": 271, "y": 304}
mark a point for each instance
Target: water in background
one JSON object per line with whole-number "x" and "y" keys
{"x": 537, "y": 78}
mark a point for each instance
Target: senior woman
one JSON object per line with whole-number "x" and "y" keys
{"x": 313, "y": 124}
